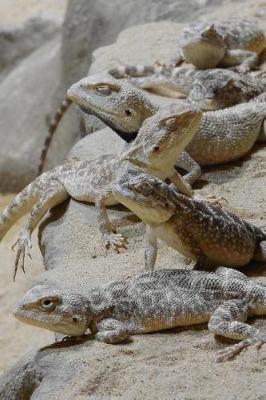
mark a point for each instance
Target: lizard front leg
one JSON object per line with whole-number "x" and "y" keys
{"x": 180, "y": 183}
{"x": 227, "y": 321}
{"x": 110, "y": 237}
{"x": 150, "y": 252}
{"x": 53, "y": 196}
{"x": 111, "y": 331}
{"x": 245, "y": 59}
{"x": 186, "y": 162}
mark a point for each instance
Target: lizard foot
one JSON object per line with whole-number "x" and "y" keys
{"x": 242, "y": 69}
{"x": 115, "y": 241}
{"x": 216, "y": 200}
{"x": 232, "y": 351}
{"x": 24, "y": 245}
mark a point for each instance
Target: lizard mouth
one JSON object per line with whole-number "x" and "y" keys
{"x": 110, "y": 118}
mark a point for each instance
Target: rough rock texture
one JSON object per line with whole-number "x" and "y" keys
{"x": 90, "y": 24}
{"x": 166, "y": 365}
{"x": 178, "y": 364}
{"x": 25, "y": 26}
{"x": 24, "y": 99}
{"x": 17, "y": 42}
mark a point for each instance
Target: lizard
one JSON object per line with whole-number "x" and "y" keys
{"x": 229, "y": 133}
{"x": 223, "y": 136}
{"x": 210, "y": 89}
{"x": 226, "y": 42}
{"x": 161, "y": 139}
{"x": 206, "y": 234}
{"x": 150, "y": 302}
{"x": 123, "y": 108}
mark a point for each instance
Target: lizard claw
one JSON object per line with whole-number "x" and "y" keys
{"x": 24, "y": 245}
{"x": 216, "y": 200}
{"x": 116, "y": 241}
{"x": 232, "y": 351}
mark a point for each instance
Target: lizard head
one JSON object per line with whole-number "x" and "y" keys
{"x": 119, "y": 104}
{"x": 163, "y": 137}
{"x": 148, "y": 197}
{"x": 215, "y": 89}
{"x": 52, "y": 309}
{"x": 202, "y": 45}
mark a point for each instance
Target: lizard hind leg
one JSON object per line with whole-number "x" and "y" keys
{"x": 53, "y": 196}
{"x": 227, "y": 320}
{"x": 111, "y": 331}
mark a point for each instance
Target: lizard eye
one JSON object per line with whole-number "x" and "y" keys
{"x": 47, "y": 304}
{"x": 156, "y": 149}
{"x": 128, "y": 113}
{"x": 103, "y": 90}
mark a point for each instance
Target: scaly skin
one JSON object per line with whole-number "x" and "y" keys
{"x": 228, "y": 42}
{"x": 223, "y": 136}
{"x": 124, "y": 107}
{"x": 159, "y": 143}
{"x": 210, "y": 89}
{"x": 152, "y": 301}
{"x": 203, "y": 233}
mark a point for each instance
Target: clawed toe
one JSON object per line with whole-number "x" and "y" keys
{"x": 216, "y": 200}
{"x": 116, "y": 241}
{"x": 24, "y": 245}
{"x": 230, "y": 352}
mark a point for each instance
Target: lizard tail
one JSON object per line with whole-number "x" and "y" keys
{"x": 124, "y": 71}
{"x": 52, "y": 128}
{"x": 21, "y": 204}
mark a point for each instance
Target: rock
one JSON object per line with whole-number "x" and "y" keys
{"x": 86, "y": 369}
{"x": 25, "y": 97}
{"x": 154, "y": 366}
{"x": 90, "y": 24}
{"x": 17, "y": 41}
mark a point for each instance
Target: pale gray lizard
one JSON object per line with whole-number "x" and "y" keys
{"x": 152, "y": 301}
{"x": 210, "y": 89}
{"x": 229, "y": 133}
{"x": 223, "y": 136}
{"x": 161, "y": 139}
{"x": 226, "y": 42}
{"x": 206, "y": 234}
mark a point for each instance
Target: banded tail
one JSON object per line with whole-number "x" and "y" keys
{"x": 52, "y": 128}
{"x": 123, "y": 71}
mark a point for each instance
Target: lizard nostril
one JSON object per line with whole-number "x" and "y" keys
{"x": 74, "y": 319}
{"x": 128, "y": 112}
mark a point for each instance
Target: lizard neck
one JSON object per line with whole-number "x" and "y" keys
{"x": 147, "y": 110}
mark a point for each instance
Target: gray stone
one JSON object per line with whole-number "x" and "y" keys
{"x": 151, "y": 366}
{"x": 19, "y": 40}
{"x": 25, "y": 97}
{"x": 90, "y": 24}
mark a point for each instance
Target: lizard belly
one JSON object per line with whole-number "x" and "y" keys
{"x": 168, "y": 233}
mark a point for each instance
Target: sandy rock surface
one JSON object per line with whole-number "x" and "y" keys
{"x": 178, "y": 364}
